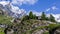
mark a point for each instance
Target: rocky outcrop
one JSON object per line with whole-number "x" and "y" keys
{"x": 41, "y": 31}
{"x": 33, "y": 26}
{"x": 10, "y": 31}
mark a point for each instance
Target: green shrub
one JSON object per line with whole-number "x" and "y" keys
{"x": 46, "y": 33}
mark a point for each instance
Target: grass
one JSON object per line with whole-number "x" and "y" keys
{"x": 2, "y": 31}
{"x": 46, "y": 33}
{"x": 5, "y": 20}
{"x": 51, "y": 26}
{"x": 38, "y": 28}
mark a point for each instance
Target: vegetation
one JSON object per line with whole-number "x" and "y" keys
{"x": 2, "y": 30}
{"x": 52, "y": 19}
{"x": 28, "y": 23}
{"x": 31, "y": 15}
{"x": 5, "y": 20}
{"x": 43, "y": 16}
{"x": 46, "y": 33}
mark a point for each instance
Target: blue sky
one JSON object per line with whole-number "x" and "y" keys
{"x": 40, "y": 5}
{"x": 43, "y": 5}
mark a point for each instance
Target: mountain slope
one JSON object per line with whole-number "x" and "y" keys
{"x": 13, "y": 11}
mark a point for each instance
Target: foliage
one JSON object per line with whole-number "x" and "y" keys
{"x": 2, "y": 31}
{"x": 52, "y": 26}
{"x": 31, "y": 15}
{"x": 26, "y": 17}
{"x": 46, "y": 33}
{"x": 28, "y": 23}
{"x": 52, "y": 19}
{"x": 34, "y": 16}
{"x": 5, "y": 20}
{"x": 43, "y": 16}
{"x": 47, "y": 18}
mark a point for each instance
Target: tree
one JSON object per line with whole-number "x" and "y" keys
{"x": 52, "y": 19}
{"x": 34, "y": 16}
{"x": 43, "y": 16}
{"x": 31, "y": 15}
{"x": 47, "y": 18}
{"x": 26, "y": 17}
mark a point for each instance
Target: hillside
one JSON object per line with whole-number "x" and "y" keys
{"x": 29, "y": 16}
{"x": 5, "y": 19}
{"x": 32, "y": 25}
{"x": 29, "y": 24}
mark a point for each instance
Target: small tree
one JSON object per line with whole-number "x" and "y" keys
{"x": 43, "y": 16}
{"x": 47, "y": 18}
{"x": 34, "y": 16}
{"x": 31, "y": 15}
{"x": 52, "y": 19}
{"x": 26, "y": 17}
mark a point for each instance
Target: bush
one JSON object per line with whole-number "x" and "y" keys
{"x": 46, "y": 33}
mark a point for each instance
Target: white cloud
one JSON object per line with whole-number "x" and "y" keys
{"x": 48, "y": 15}
{"x": 37, "y": 13}
{"x": 20, "y": 2}
{"x": 52, "y": 8}
{"x": 48, "y": 9}
{"x": 4, "y": 2}
{"x": 57, "y": 17}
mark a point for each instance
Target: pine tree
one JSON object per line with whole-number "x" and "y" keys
{"x": 31, "y": 15}
{"x": 52, "y": 19}
{"x": 43, "y": 16}
{"x": 34, "y": 16}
